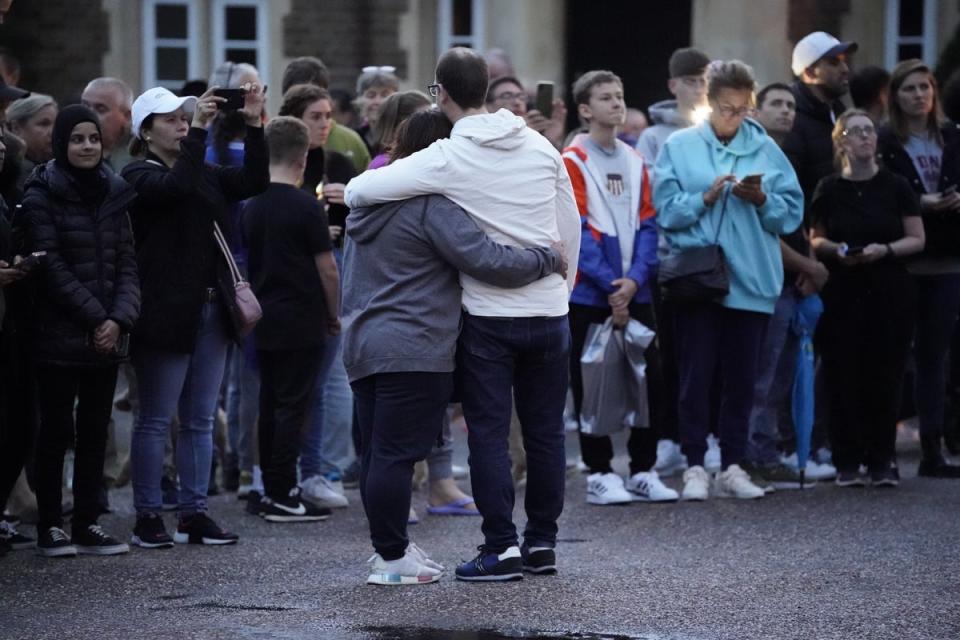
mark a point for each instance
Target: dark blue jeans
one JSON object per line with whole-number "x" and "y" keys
{"x": 500, "y": 360}
{"x": 938, "y": 305}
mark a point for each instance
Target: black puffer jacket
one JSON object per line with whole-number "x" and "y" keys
{"x": 89, "y": 273}
{"x": 809, "y": 145}
{"x": 942, "y": 229}
{"x": 173, "y": 221}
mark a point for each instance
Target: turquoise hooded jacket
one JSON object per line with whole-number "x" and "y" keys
{"x": 689, "y": 162}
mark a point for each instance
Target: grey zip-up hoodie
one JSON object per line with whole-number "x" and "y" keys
{"x": 666, "y": 119}
{"x": 401, "y": 288}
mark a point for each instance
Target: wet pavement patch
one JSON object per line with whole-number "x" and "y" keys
{"x": 422, "y": 633}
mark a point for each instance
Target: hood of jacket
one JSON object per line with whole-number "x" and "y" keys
{"x": 500, "y": 130}
{"x": 50, "y": 178}
{"x": 750, "y": 137}
{"x": 666, "y": 112}
{"x": 365, "y": 223}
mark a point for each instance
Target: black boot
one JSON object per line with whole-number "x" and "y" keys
{"x": 932, "y": 464}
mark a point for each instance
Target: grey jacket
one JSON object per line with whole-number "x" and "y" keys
{"x": 666, "y": 119}
{"x": 401, "y": 289}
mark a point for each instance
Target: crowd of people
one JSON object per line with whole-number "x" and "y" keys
{"x": 302, "y": 303}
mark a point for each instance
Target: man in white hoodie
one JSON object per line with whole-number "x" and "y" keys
{"x": 514, "y": 342}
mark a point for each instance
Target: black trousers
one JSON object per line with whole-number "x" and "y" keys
{"x": 90, "y": 390}
{"x": 666, "y": 315}
{"x": 400, "y": 417}
{"x": 18, "y": 410}
{"x": 864, "y": 336}
{"x": 597, "y": 451}
{"x": 287, "y": 380}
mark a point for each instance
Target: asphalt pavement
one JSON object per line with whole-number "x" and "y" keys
{"x": 819, "y": 564}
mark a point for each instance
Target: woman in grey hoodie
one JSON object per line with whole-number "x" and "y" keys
{"x": 401, "y": 318}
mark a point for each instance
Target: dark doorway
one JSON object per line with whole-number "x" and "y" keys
{"x": 631, "y": 38}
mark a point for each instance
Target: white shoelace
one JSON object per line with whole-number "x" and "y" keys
{"x": 58, "y": 535}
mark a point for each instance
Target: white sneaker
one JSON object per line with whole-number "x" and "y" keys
{"x": 735, "y": 483}
{"x": 696, "y": 483}
{"x": 646, "y": 486}
{"x": 407, "y": 570}
{"x": 670, "y": 460}
{"x": 422, "y": 556}
{"x": 711, "y": 459}
{"x": 321, "y": 492}
{"x": 813, "y": 470}
{"x": 606, "y": 488}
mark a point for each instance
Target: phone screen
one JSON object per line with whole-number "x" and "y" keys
{"x": 234, "y": 99}
{"x": 545, "y": 99}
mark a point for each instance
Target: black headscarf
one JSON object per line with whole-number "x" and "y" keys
{"x": 92, "y": 184}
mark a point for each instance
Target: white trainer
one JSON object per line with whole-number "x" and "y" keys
{"x": 813, "y": 470}
{"x": 422, "y": 556}
{"x": 407, "y": 570}
{"x": 696, "y": 483}
{"x": 646, "y": 486}
{"x": 321, "y": 492}
{"x": 735, "y": 483}
{"x": 711, "y": 459}
{"x": 670, "y": 460}
{"x": 607, "y": 488}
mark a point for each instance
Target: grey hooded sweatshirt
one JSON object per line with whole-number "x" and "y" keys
{"x": 401, "y": 285}
{"x": 666, "y": 119}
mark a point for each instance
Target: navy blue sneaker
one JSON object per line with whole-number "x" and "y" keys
{"x": 492, "y": 567}
{"x": 539, "y": 560}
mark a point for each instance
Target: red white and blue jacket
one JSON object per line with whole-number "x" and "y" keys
{"x": 601, "y": 261}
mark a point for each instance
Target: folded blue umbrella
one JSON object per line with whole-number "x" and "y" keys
{"x": 804, "y": 322}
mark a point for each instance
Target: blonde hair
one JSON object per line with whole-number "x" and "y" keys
{"x": 839, "y": 157}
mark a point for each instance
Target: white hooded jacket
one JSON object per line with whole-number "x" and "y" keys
{"x": 512, "y": 181}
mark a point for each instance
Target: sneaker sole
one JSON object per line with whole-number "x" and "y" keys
{"x": 21, "y": 546}
{"x": 635, "y": 497}
{"x": 732, "y": 496}
{"x": 507, "y": 577}
{"x": 272, "y": 517}
{"x": 396, "y": 580}
{"x": 325, "y": 504}
{"x": 61, "y": 552}
{"x": 184, "y": 538}
{"x": 112, "y": 550}
{"x": 549, "y": 569}
{"x": 603, "y": 502}
{"x": 859, "y": 484}
{"x": 139, "y": 542}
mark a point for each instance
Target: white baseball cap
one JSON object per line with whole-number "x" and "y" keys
{"x": 815, "y": 46}
{"x": 157, "y": 100}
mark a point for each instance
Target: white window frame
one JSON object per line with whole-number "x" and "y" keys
{"x": 221, "y": 44}
{"x": 445, "y": 37}
{"x": 893, "y": 40}
{"x": 151, "y": 41}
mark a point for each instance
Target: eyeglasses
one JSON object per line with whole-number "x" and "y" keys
{"x": 860, "y": 132}
{"x": 434, "y": 89}
{"x": 384, "y": 69}
{"x": 508, "y": 96}
{"x": 727, "y": 111}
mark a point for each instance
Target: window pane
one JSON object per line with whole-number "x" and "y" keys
{"x": 171, "y": 20}
{"x": 242, "y": 55}
{"x": 462, "y": 17}
{"x": 171, "y": 63}
{"x": 907, "y": 51}
{"x": 911, "y": 17}
{"x": 241, "y": 23}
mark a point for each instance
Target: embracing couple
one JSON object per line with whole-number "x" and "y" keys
{"x": 461, "y": 255}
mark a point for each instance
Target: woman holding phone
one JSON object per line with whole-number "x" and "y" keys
{"x": 919, "y": 146}
{"x": 866, "y": 220}
{"x": 725, "y": 182}
{"x": 180, "y": 347}
{"x": 88, "y": 300}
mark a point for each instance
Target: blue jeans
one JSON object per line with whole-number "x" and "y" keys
{"x": 188, "y": 384}
{"x": 526, "y": 359}
{"x": 775, "y": 373}
{"x": 938, "y": 305}
{"x": 243, "y": 397}
{"x": 330, "y": 417}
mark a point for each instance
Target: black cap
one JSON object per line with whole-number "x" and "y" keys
{"x": 9, "y": 94}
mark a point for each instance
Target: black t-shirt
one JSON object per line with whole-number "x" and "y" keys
{"x": 330, "y": 167}
{"x": 284, "y": 228}
{"x": 864, "y": 212}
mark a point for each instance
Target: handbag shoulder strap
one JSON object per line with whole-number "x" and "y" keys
{"x": 723, "y": 214}
{"x": 225, "y": 250}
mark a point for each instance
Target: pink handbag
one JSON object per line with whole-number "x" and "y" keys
{"x": 245, "y": 306}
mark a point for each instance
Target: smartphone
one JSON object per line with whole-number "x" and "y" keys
{"x": 753, "y": 179}
{"x": 545, "y": 99}
{"x": 31, "y": 262}
{"x": 854, "y": 251}
{"x": 235, "y": 99}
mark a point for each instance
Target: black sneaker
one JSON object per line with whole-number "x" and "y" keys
{"x": 937, "y": 468}
{"x": 55, "y": 543}
{"x": 94, "y": 541}
{"x": 254, "y": 506}
{"x": 150, "y": 533}
{"x": 540, "y": 560}
{"x": 492, "y": 567}
{"x": 884, "y": 478}
{"x": 199, "y": 528}
{"x": 13, "y": 539}
{"x": 849, "y": 479}
{"x": 351, "y": 475}
{"x": 168, "y": 489}
{"x": 291, "y": 509}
